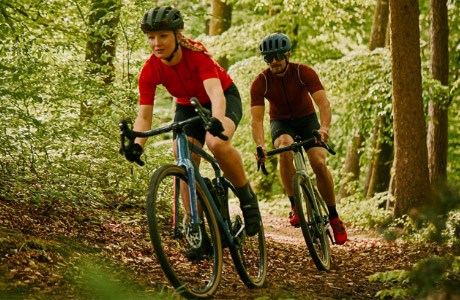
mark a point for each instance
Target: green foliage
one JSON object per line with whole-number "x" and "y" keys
{"x": 103, "y": 281}
{"x": 359, "y": 88}
{"x": 429, "y": 277}
{"x": 453, "y": 155}
{"x": 443, "y": 211}
{"x": 319, "y": 30}
{"x": 452, "y": 231}
{"x": 394, "y": 276}
{"x": 50, "y": 152}
{"x": 366, "y": 213}
{"x": 439, "y": 222}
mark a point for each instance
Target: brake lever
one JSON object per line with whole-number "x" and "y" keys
{"x": 261, "y": 165}
{"x": 123, "y": 125}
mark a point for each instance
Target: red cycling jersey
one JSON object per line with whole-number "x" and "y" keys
{"x": 289, "y": 95}
{"x": 183, "y": 80}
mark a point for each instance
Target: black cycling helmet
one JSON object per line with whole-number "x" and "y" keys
{"x": 162, "y": 18}
{"x": 275, "y": 43}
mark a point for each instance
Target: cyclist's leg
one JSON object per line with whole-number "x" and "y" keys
{"x": 324, "y": 181}
{"x": 287, "y": 169}
{"x": 228, "y": 156}
{"x": 317, "y": 157}
{"x": 231, "y": 163}
{"x": 283, "y": 135}
{"x": 325, "y": 184}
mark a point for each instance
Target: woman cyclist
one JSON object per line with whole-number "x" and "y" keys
{"x": 185, "y": 68}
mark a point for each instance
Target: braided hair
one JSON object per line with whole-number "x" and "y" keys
{"x": 189, "y": 44}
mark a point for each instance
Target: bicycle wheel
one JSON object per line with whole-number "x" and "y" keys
{"x": 249, "y": 253}
{"x": 198, "y": 278}
{"x": 313, "y": 220}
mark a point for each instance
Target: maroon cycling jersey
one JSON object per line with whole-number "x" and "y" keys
{"x": 290, "y": 95}
{"x": 183, "y": 80}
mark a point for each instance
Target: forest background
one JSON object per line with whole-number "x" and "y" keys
{"x": 69, "y": 73}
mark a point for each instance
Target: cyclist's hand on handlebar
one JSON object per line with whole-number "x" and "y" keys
{"x": 211, "y": 124}
{"x": 324, "y": 135}
{"x": 321, "y": 138}
{"x": 133, "y": 153}
{"x": 261, "y": 154}
{"x": 215, "y": 126}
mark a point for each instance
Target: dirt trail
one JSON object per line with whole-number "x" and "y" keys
{"x": 293, "y": 275}
{"x": 35, "y": 257}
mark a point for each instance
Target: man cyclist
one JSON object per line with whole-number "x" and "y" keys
{"x": 186, "y": 69}
{"x": 290, "y": 89}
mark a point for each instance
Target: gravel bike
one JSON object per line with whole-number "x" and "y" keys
{"x": 186, "y": 210}
{"x": 311, "y": 207}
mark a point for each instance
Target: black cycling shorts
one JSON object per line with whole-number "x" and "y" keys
{"x": 302, "y": 127}
{"x": 234, "y": 111}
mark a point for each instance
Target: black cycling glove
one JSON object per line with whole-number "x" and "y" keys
{"x": 215, "y": 127}
{"x": 133, "y": 152}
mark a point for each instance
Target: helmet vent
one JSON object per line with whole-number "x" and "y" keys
{"x": 275, "y": 43}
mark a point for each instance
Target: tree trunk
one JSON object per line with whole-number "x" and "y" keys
{"x": 221, "y": 19}
{"x": 411, "y": 179}
{"x": 351, "y": 166}
{"x": 379, "y": 25}
{"x": 437, "y": 109}
{"x": 380, "y": 179}
{"x": 370, "y": 168}
{"x": 101, "y": 43}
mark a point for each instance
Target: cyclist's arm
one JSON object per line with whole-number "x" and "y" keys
{"x": 143, "y": 122}
{"x": 215, "y": 92}
{"x": 325, "y": 112}
{"x": 257, "y": 125}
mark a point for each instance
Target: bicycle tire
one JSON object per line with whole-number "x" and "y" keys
{"x": 249, "y": 253}
{"x": 192, "y": 279}
{"x": 313, "y": 222}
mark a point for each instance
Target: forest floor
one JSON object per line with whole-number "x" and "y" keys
{"x": 64, "y": 251}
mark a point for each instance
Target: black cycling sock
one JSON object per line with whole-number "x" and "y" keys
{"x": 291, "y": 199}
{"x": 332, "y": 212}
{"x": 244, "y": 193}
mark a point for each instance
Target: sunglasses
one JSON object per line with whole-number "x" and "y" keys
{"x": 270, "y": 57}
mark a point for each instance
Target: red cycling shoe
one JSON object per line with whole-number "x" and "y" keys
{"x": 340, "y": 234}
{"x": 294, "y": 217}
